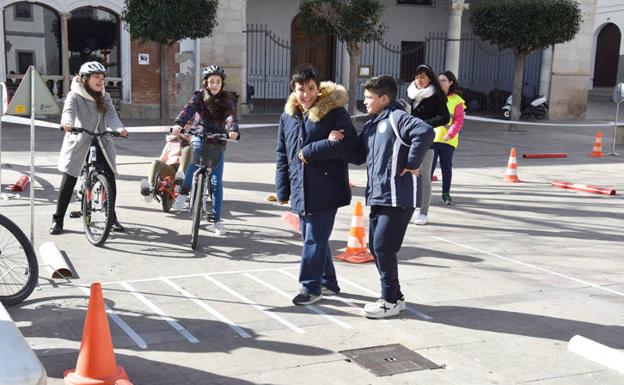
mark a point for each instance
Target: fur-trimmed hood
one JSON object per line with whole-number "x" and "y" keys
{"x": 331, "y": 96}
{"x": 79, "y": 88}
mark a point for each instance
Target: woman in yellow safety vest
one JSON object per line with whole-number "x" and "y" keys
{"x": 447, "y": 136}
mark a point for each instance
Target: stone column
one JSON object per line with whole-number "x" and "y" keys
{"x": 3, "y": 69}
{"x": 126, "y": 65}
{"x": 546, "y": 71}
{"x": 571, "y": 77}
{"x": 65, "y": 52}
{"x": 456, "y": 9}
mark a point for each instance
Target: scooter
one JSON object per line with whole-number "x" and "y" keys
{"x": 538, "y": 108}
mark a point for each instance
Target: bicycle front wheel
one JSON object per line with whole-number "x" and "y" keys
{"x": 198, "y": 196}
{"x": 19, "y": 269}
{"x": 97, "y": 211}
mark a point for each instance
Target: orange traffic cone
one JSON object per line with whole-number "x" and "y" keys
{"x": 96, "y": 360}
{"x": 356, "y": 245}
{"x": 511, "y": 174}
{"x": 292, "y": 220}
{"x": 597, "y": 150}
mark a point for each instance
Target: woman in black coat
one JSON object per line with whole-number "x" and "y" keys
{"x": 428, "y": 102}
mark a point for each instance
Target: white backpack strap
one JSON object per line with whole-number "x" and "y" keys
{"x": 396, "y": 130}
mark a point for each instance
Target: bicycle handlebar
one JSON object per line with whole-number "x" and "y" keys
{"x": 219, "y": 136}
{"x": 80, "y": 130}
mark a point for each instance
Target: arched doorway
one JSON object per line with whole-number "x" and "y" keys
{"x": 607, "y": 56}
{"x": 316, "y": 50}
{"x": 94, "y": 34}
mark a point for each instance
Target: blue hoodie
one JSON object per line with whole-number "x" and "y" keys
{"x": 386, "y": 156}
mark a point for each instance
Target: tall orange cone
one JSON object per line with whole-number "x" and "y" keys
{"x": 511, "y": 174}
{"x": 356, "y": 245}
{"x": 597, "y": 150}
{"x": 96, "y": 360}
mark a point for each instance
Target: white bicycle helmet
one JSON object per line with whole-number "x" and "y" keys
{"x": 213, "y": 70}
{"x": 92, "y": 67}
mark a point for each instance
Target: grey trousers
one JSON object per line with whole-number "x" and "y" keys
{"x": 425, "y": 182}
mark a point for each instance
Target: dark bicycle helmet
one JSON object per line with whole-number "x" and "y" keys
{"x": 213, "y": 70}
{"x": 92, "y": 67}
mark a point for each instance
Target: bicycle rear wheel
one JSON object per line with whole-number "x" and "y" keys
{"x": 19, "y": 269}
{"x": 198, "y": 193}
{"x": 97, "y": 212}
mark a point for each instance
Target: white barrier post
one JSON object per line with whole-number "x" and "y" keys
{"x": 20, "y": 365}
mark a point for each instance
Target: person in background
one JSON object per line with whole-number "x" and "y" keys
{"x": 427, "y": 102}
{"x": 447, "y": 136}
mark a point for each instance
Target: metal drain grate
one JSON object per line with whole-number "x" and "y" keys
{"x": 387, "y": 360}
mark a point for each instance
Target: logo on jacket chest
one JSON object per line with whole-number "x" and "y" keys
{"x": 382, "y": 127}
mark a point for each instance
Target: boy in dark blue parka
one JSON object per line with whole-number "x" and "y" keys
{"x": 392, "y": 144}
{"x": 312, "y": 172}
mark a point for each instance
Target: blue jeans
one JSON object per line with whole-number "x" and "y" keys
{"x": 445, "y": 152}
{"x": 317, "y": 267}
{"x": 216, "y": 178}
{"x": 386, "y": 232}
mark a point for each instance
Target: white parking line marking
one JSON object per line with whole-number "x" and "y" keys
{"x": 375, "y": 294}
{"x": 140, "y": 342}
{"x": 250, "y": 302}
{"x": 357, "y": 310}
{"x": 533, "y": 267}
{"x": 164, "y": 316}
{"x": 241, "y": 332}
{"x": 311, "y": 307}
{"x": 198, "y": 275}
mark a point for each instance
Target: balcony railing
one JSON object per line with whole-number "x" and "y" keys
{"x": 55, "y": 84}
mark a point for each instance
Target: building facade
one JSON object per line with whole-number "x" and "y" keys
{"x": 259, "y": 50}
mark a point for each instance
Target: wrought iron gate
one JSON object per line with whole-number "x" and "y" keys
{"x": 486, "y": 74}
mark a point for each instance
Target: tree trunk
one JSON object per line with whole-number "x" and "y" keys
{"x": 354, "y": 60}
{"x": 164, "y": 82}
{"x": 518, "y": 83}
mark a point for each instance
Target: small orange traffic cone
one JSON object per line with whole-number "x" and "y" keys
{"x": 356, "y": 245}
{"x": 597, "y": 150}
{"x": 96, "y": 360}
{"x": 511, "y": 174}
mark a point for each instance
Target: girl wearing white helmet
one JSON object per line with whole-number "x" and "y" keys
{"x": 87, "y": 105}
{"x": 216, "y": 108}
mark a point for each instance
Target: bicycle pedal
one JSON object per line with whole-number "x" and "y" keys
{"x": 75, "y": 214}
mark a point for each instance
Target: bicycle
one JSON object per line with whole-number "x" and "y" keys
{"x": 210, "y": 154}
{"x": 19, "y": 269}
{"x": 94, "y": 191}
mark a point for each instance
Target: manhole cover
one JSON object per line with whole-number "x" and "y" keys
{"x": 389, "y": 359}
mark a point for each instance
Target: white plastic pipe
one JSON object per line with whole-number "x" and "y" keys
{"x": 600, "y": 354}
{"x": 53, "y": 260}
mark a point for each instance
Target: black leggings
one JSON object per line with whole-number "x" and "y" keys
{"x": 69, "y": 182}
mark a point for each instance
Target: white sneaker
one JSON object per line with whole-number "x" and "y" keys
{"x": 421, "y": 220}
{"x": 373, "y": 305}
{"x": 219, "y": 229}
{"x": 178, "y": 205}
{"x": 382, "y": 309}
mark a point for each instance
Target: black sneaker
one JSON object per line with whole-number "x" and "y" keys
{"x": 306, "y": 299}
{"x": 57, "y": 227}
{"x": 117, "y": 227}
{"x": 446, "y": 199}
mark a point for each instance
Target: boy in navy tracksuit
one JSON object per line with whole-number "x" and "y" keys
{"x": 393, "y": 144}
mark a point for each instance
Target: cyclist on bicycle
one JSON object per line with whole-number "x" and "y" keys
{"x": 216, "y": 108}
{"x": 87, "y": 105}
